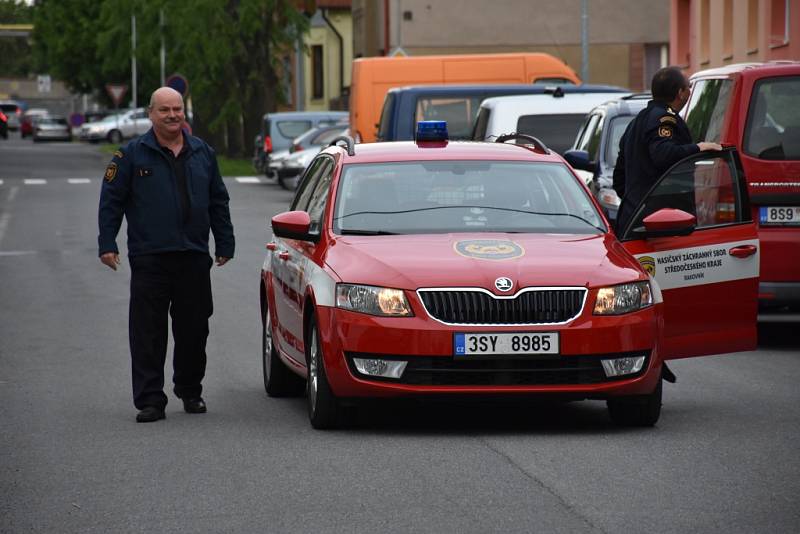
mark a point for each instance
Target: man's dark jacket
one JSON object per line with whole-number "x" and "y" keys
{"x": 140, "y": 184}
{"x": 654, "y": 141}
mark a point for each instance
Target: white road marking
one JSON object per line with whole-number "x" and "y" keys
{"x": 16, "y": 252}
{"x": 79, "y": 181}
{"x": 248, "y": 180}
{"x": 35, "y": 181}
{"x": 1, "y": 182}
{"x": 4, "y": 224}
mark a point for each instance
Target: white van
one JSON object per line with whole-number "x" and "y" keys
{"x": 553, "y": 118}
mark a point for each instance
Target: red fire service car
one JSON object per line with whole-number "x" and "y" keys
{"x": 439, "y": 268}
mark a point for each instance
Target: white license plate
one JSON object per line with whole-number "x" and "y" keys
{"x": 780, "y": 215}
{"x": 505, "y": 343}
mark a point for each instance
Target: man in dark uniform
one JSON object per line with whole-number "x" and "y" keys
{"x": 654, "y": 141}
{"x": 167, "y": 185}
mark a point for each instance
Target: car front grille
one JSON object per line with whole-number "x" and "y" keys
{"x": 474, "y": 306}
{"x": 532, "y": 371}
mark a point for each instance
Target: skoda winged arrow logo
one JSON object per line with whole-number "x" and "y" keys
{"x": 503, "y": 284}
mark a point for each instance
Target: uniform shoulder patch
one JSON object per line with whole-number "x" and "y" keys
{"x": 111, "y": 172}
{"x": 665, "y": 131}
{"x": 119, "y": 154}
{"x": 668, "y": 119}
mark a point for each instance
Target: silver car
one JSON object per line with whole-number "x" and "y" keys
{"x": 51, "y": 129}
{"x": 115, "y": 128}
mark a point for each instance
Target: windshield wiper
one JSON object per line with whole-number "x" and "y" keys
{"x": 366, "y": 232}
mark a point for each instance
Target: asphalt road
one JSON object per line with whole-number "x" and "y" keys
{"x": 723, "y": 458}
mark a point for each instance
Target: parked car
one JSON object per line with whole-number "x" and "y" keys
{"x": 452, "y": 268}
{"x": 51, "y": 129}
{"x": 456, "y": 104}
{"x": 26, "y": 123}
{"x": 115, "y": 128}
{"x": 756, "y": 108}
{"x": 3, "y": 125}
{"x": 13, "y": 112}
{"x": 594, "y": 153}
{"x": 303, "y": 150}
{"x": 552, "y": 118}
{"x": 279, "y": 129}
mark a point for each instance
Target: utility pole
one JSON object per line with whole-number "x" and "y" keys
{"x": 163, "y": 48}
{"x": 133, "y": 58}
{"x": 585, "y": 41}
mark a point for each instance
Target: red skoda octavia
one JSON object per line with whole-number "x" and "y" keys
{"x": 440, "y": 268}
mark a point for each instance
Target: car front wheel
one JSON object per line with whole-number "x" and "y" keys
{"x": 115, "y": 136}
{"x": 636, "y": 410}
{"x": 279, "y": 381}
{"x": 323, "y": 406}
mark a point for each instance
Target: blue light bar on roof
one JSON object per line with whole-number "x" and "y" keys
{"x": 432, "y": 131}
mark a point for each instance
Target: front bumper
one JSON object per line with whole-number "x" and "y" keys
{"x": 433, "y": 369}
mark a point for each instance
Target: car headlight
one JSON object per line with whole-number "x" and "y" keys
{"x": 624, "y": 298}
{"x": 373, "y": 300}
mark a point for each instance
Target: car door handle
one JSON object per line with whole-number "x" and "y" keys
{"x": 272, "y": 246}
{"x": 743, "y": 251}
{"x": 284, "y": 255}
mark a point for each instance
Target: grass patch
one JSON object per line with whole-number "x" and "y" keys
{"x": 227, "y": 166}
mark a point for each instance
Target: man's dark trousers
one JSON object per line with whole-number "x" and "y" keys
{"x": 178, "y": 283}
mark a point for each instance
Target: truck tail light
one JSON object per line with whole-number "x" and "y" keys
{"x": 268, "y": 144}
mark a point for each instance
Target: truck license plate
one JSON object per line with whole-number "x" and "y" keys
{"x": 780, "y": 215}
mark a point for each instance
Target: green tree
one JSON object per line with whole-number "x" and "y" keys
{"x": 229, "y": 50}
{"x": 16, "y": 57}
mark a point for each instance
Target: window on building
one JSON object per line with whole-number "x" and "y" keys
{"x": 727, "y": 29}
{"x": 779, "y": 23}
{"x": 317, "y": 73}
{"x": 684, "y": 23}
{"x": 752, "y": 26}
{"x": 705, "y": 30}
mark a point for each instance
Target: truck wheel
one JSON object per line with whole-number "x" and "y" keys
{"x": 279, "y": 381}
{"x": 636, "y": 410}
{"x": 323, "y": 406}
{"x": 115, "y": 137}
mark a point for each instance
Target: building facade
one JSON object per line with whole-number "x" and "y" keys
{"x": 628, "y": 39}
{"x": 713, "y": 33}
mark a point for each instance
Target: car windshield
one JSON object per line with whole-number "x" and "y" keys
{"x": 433, "y": 197}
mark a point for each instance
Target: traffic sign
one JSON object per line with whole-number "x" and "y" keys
{"x": 116, "y": 92}
{"x": 43, "y": 83}
{"x": 179, "y": 83}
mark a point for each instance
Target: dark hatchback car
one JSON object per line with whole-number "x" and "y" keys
{"x": 456, "y": 104}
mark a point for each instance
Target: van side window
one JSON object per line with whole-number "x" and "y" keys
{"x": 590, "y": 138}
{"x": 481, "y": 123}
{"x": 457, "y": 111}
{"x": 292, "y": 129}
{"x": 706, "y": 109}
{"x": 773, "y": 120}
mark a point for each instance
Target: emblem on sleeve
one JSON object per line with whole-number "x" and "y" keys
{"x": 665, "y": 131}
{"x": 119, "y": 154}
{"x": 111, "y": 172}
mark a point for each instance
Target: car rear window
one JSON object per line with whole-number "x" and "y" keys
{"x": 386, "y": 117}
{"x": 459, "y": 112}
{"x": 706, "y": 109}
{"x": 292, "y": 129}
{"x": 556, "y": 131}
{"x": 51, "y": 120}
{"x": 433, "y": 197}
{"x": 773, "y": 121}
{"x": 615, "y": 131}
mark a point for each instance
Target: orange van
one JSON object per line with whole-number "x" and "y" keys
{"x": 374, "y": 76}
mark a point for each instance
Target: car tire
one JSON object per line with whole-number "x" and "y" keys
{"x": 636, "y": 410}
{"x": 323, "y": 406}
{"x": 279, "y": 381}
{"x": 115, "y": 137}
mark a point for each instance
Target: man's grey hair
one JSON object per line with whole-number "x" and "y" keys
{"x": 153, "y": 99}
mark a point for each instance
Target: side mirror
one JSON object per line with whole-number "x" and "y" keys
{"x": 579, "y": 159}
{"x": 669, "y": 222}
{"x": 293, "y": 225}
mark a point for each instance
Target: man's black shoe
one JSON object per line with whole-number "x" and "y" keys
{"x": 149, "y": 414}
{"x": 196, "y": 405}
